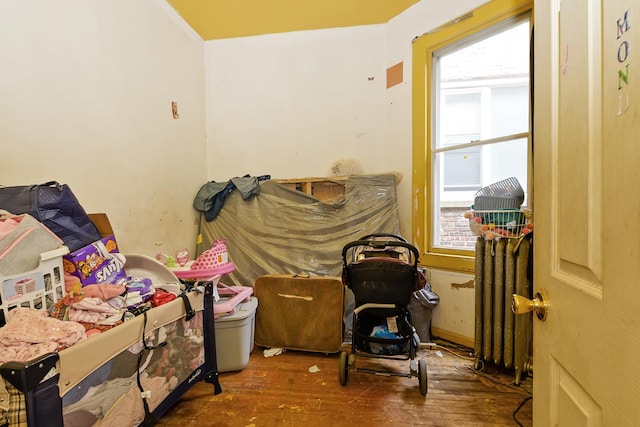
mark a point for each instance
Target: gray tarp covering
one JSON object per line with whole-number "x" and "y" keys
{"x": 286, "y": 231}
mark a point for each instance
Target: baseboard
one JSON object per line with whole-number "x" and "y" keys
{"x": 452, "y": 337}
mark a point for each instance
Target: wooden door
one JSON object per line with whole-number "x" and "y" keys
{"x": 587, "y": 212}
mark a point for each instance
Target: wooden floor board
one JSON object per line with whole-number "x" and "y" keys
{"x": 302, "y": 389}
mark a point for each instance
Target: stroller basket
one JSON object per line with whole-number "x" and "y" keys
{"x": 382, "y": 342}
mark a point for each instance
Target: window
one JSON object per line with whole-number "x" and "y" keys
{"x": 471, "y": 114}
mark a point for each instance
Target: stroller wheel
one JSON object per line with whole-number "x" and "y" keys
{"x": 422, "y": 376}
{"x": 344, "y": 367}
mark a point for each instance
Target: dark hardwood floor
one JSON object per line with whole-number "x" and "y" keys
{"x": 303, "y": 389}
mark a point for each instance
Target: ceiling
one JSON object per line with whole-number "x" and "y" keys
{"x": 219, "y": 19}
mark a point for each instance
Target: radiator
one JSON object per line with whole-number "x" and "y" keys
{"x": 501, "y": 337}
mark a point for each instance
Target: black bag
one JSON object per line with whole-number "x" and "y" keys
{"x": 55, "y": 206}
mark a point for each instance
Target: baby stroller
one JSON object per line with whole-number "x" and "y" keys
{"x": 382, "y": 271}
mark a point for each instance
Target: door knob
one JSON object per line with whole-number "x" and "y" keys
{"x": 539, "y": 305}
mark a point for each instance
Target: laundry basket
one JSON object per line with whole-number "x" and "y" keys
{"x": 505, "y": 194}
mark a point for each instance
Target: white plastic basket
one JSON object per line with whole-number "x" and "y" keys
{"x": 501, "y": 223}
{"x": 44, "y": 286}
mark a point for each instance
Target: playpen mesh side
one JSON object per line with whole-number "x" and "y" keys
{"x": 112, "y": 391}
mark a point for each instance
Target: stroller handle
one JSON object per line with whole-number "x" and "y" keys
{"x": 381, "y": 244}
{"x": 393, "y": 236}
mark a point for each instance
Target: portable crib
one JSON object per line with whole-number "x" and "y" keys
{"x": 129, "y": 375}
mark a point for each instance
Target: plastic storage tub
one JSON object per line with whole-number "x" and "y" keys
{"x": 234, "y": 336}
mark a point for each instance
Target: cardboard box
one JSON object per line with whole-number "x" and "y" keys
{"x": 102, "y": 223}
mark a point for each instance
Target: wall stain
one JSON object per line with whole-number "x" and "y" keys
{"x": 469, "y": 284}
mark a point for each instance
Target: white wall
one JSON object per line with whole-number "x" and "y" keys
{"x": 86, "y": 90}
{"x": 291, "y": 104}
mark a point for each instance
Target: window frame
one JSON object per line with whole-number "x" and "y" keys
{"x": 423, "y": 48}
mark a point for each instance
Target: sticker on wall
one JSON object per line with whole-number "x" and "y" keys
{"x": 394, "y": 75}
{"x": 174, "y": 110}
